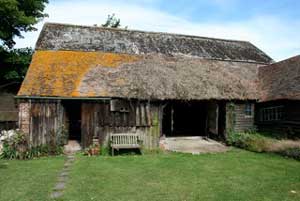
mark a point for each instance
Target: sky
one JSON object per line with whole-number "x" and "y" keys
{"x": 271, "y": 25}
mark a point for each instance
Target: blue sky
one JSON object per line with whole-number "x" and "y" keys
{"x": 271, "y": 25}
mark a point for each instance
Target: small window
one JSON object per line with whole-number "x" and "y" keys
{"x": 271, "y": 113}
{"x": 248, "y": 109}
{"x": 118, "y": 105}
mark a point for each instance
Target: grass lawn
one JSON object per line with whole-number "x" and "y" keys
{"x": 235, "y": 175}
{"x": 28, "y": 180}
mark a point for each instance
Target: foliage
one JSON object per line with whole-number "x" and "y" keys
{"x": 112, "y": 21}
{"x": 104, "y": 151}
{"x": 13, "y": 65}
{"x": 18, "y": 16}
{"x": 92, "y": 150}
{"x": 256, "y": 142}
{"x": 250, "y": 141}
{"x": 14, "y": 146}
{"x": 17, "y": 147}
{"x": 290, "y": 152}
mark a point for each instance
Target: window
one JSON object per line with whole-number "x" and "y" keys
{"x": 271, "y": 113}
{"x": 248, "y": 109}
{"x": 118, "y": 105}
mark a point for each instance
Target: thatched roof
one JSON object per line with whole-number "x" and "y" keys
{"x": 84, "y": 38}
{"x": 94, "y": 74}
{"x": 280, "y": 80}
{"x": 80, "y": 61}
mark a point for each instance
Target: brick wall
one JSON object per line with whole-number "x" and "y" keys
{"x": 236, "y": 118}
{"x": 24, "y": 117}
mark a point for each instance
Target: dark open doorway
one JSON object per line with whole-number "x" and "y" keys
{"x": 185, "y": 119}
{"x": 73, "y": 119}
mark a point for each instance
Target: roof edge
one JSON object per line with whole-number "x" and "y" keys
{"x": 143, "y": 31}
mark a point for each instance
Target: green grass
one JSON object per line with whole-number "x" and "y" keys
{"x": 235, "y": 175}
{"x": 29, "y": 179}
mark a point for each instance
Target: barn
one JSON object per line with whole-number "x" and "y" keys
{"x": 278, "y": 109}
{"x": 85, "y": 83}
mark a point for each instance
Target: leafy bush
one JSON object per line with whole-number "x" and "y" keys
{"x": 290, "y": 152}
{"x": 105, "y": 151}
{"x": 15, "y": 146}
{"x": 250, "y": 141}
{"x": 259, "y": 143}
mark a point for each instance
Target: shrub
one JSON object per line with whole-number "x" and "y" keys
{"x": 105, "y": 151}
{"x": 15, "y": 146}
{"x": 290, "y": 152}
{"x": 258, "y": 143}
{"x": 250, "y": 141}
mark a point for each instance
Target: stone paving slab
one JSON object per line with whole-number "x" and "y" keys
{"x": 62, "y": 178}
{"x": 194, "y": 145}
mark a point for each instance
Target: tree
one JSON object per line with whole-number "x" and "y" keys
{"x": 13, "y": 67}
{"x": 18, "y": 16}
{"x": 112, "y": 22}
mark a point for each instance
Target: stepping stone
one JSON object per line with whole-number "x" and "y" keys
{"x": 62, "y": 179}
{"x": 64, "y": 174}
{"x": 70, "y": 157}
{"x": 67, "y": 165}
{"x": 60, "y": 186}
{"x": 67, "y": 170}
{"x": 56, "y": 194}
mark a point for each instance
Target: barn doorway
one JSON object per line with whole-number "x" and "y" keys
{"x": 73, "y": 119}
{"x": 185, "y": 119}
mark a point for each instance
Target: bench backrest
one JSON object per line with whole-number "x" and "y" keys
{"x": 124, "y": 139}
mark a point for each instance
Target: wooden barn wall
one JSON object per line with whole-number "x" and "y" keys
{"x": 237, "y": 120}
{"x": 289, "y": 126}
{"x": 98, "y": 121}
{"x": 42, "y": 121}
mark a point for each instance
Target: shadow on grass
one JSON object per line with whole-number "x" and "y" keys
{"x": 3, "y": 165}
{"x": 126, "y": 152}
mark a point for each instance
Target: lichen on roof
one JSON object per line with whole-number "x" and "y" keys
{"x": 157, "y": 76}
{"x": 59, "y": 73}
{"x": 83, "y": 38}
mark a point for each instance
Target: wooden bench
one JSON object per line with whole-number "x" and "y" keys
{"x": 124, "y": 141}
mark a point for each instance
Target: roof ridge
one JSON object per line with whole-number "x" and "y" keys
{"x": 283, "y": 61}
{"x": 144, "y": 31}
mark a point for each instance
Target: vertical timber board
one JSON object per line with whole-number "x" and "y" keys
{"x": 87, "y": 111}
{"x": 46, "y": 121}
{"x": 137, "y": 115}
{"x": 150, "y": 134}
